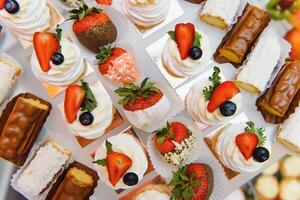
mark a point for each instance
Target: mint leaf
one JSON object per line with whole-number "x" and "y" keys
{"x": 108, "y": 146}
{"x": 197, "y": 40}
{"x": 215, "y": 79}
{"x": 172, "y": 35}
{"x": 89, "y": 103}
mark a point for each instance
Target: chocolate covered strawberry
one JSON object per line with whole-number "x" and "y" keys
{"x": 93, "y": 27}
{"x": 117, "y": 64}
{"x": 144, "y": 105}
{"x": 174, "y": 142}
{"x": 192, "y": 182}
{"x": 219, "y": 95}
{"x": 117, "y": 164}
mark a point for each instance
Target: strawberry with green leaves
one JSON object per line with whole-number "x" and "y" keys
{"x": 251, "y": 143}
{"x": 192, "y": 182}
{"x": 93, "y": 27}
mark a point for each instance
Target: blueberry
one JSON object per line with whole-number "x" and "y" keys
{"x": 12, "y": 6}
{"x": 261, "y": 154}
{"x": 228, "y": 108}
{"x": 195, "y": 53}
{"x": 57, "y": 58}
{"x": 130, "y": 179}
{"x": 86, "y": 118}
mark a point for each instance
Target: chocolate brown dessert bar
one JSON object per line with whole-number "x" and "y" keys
{"x": 20, "y": 124}
{"x": 77, "y": 182}
{"x": 282, "y": 98}
{"x": 195, "y": 1}
{"x": 239, "y": 40}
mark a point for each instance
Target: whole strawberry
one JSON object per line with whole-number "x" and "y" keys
{"x": 93, "y": 27}
{"x": 192, "y": 182}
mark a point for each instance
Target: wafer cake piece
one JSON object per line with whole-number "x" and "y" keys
{"x": 240, "y": 39}
{"x": 42, "y": 170}
{"x": 282, "y": 98}
{"x": 77, "y": 182}
{"x": 20, "y": 124}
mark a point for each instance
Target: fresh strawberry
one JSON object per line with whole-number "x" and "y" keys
{"x": 180, "y": 131}
{"x": 192, "y": 182}
{"x": 185, "y": 36}
{"x": 247, "y": 143}
{"x": 2, "y": 4}
{"x": 139, "y": 97}
{"x": 165, "y": 147}
{"x": 104, "y": 2}
{"x": 45, "y": 45}
{"x": 117, "y": 166}
{"x": 74, "y": 98}
{"x": 106, "y": 56}
{"x": 222, "y": 93}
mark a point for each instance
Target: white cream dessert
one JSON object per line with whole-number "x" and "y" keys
{"x": 289, "y": 189}
{"x": 288, "y": 132}
{"x": 267, "y": 187}
{"x": 179, "y": 67}
{"x": 228, "y": 151}
{"x": 129, "y": 146}
{"x": 220, "y": 13}
{"x": 146, "y": 13}
{"x": 152, "y": 195}
{"x": 10, "y": 71}
{"x": 258, "y": 68}
{"x": 66, "y": 73}
{"x": 289, "y": 167}
{"x": 31, "y": 17}
{"x": 103, "y": 115}
{"x": 42, "y": 169}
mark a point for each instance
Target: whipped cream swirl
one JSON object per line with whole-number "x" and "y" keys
{"x": 146, "y": 13}
{"x": 33, "y": 16}
{"x": 229, "y": 153}
{"x": 66, "y": 73}
{"x": 152, "y": 195}
{"x": 183, "y": 68}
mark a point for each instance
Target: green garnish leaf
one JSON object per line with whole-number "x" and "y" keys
{"x": 108, "y": 146}
{"x": 89, "y": 103}
{"x": 104, "y": 54}
{"x": 82, "y": 11}
{"x": 197, "y": 40}
{"x": 101, "y": 162}
{"x": 172, "y": 35}
{"x": 58, "y": 35}
{"x": 215, "y": 79}
{"x": 163, "y": 134}
{"x": 258, "y": 131}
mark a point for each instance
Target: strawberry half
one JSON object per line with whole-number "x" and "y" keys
{"x": 45, "y": 45}
{"x": 222, "y": 93}
{"x": 247, "y": 143}
{"x": 104, "y": 2}
{"x": 2, "y": 4}
{"x": 73, "y": 99}
{"x": 117, "y": 166}
{"x": 185, "y": 36}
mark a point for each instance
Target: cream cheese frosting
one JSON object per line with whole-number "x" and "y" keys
{"x": 196, "y": 105}
{"x": 152, "y": 195}
{"x": 229, "y": 153}
{"x": 128, "y": 145}
{"x": 262, "y": 61}
{"x": 66, "y": 73}
{"x": 146, "y": 13}
{"x": 183, "y": 68}
{"x": 149, "y": 117}
{"x": 223, "y": 9}
{"x": 103, "y": 115}
{"x": 33, "y": 16}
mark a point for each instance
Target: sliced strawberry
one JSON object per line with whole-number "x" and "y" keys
{"x": 222, "y": 93}
{"x": 104, "y": 2}
{"x": 117, "y": 166}
{"x": 180, "y": 131}
{"x": 89, "y": 22}
{"x": 247, "y": 142}
{"x": 2, "y": 4}
{"x": 73, "y": 99}
{"x": 45, "y": 45}
{"x": 185, "y": 36}
{"x": 165, "y": 147}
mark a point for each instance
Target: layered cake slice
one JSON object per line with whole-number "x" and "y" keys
{"x": 258, "y": 68}
{"x": 10, "y": 71}
{"x": 239, "y": 40}
{"x": 282, "y": 98}
{"x": 20, "y": 124}
{"x": 42, "y": 170}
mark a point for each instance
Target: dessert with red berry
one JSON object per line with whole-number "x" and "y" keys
{"x": 175, "y": 142}
{"x": 186, "y": 52}
{"x": 213, "y": 101}
{"x": 145, "y": 105}
{"x": 282, "y": 9}
{"x": 121, "y": 161}
{"x": 117, "y": 64}
{"x": 93, "y": 27}
{"x": 193, "y": 182}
